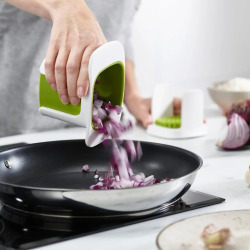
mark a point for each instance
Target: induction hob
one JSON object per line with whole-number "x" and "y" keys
{"x": 21, "y": 232}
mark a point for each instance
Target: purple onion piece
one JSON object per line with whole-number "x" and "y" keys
{"x": 109, "y": 108}
{"x": 94, "y": 112}
{"x": 101, "y": 113}
{"x": 138, "y": 150}
{"x": 118, "y": 109}
{"x": 97, "y": 122}
{"x": 106, "y": 143}
{"x": 114, "y": 116}
{"x": 85, "y": 168}
{"x": 98, "y": 103}
{"x": 149, "y": 180}
{"x": 130, "y": 148}
{"x": 138, "y": 177}
{"x": 95, "y": 96}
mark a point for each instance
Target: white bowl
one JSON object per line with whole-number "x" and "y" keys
{"x": 224, "y": 98}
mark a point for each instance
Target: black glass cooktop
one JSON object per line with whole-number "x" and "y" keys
{"x": 21, "y": 232}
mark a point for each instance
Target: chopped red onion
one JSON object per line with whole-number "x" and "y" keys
{"x": 95, "y": 96}
{"x": 138, "y": 177}
{"x": 130, "y": 148}
{"x": 109, "y": 108}
{"x": 97, "y": 122}
{"x": 165, "y": 180}
{"x": 98, "y": 103}
{"x": 85, "y": 168}
{"x": 138, "y": 150}
{"x": 94, "y": 112}
{"x": 101, "y": 113}
{"x": 149, "y": 180}
{"x": 235, "y": 134}
{"x": 106, "y": 118}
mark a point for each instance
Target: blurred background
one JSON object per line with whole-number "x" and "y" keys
{"x": 191, "y": 43}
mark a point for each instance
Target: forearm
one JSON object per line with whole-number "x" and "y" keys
{"x": 40, "y": 8}
{"x": 131, "y": 87}
{"x": 46, "y": 8}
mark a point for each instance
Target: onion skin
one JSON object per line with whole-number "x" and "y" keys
{"x": 241, "y": 108}
{"x": 236, "y": 134}
{"x": 214, "y": 238}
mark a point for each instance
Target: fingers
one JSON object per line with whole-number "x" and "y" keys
{"x": 50, "y": 64}
{"x": 83, "y": 78}
{"x": 177, "y": 106}
{"x": 67, "y": 72}
{"x": 147, "y": 117}
{"x": 73, "y": 68}
{"x": 60, "y": 75}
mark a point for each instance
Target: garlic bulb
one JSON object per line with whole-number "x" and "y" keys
{"x": 247, "y": 177}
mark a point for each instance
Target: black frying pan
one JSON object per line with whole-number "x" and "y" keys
{"x": 47, "y": 178}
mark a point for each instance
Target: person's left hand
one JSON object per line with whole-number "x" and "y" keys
{"x": 177, "y": 106}
{"x": 140, "y": 108}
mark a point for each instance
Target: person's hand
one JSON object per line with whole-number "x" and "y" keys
{"x": 140, "y": 108}
{"x": 177, "y": 106}
{"x": 75, "y": 34}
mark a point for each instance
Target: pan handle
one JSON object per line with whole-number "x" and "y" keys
{"x": 182, "y": 192}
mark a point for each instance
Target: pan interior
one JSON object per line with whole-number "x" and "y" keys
{"x": 58, "y": 165}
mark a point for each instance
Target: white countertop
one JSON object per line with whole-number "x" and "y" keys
{"x": 222, "y": 175}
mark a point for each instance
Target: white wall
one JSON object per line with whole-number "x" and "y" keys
{"x": 191, "y": 43}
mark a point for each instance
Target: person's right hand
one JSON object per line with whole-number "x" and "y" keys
{"x": 75, "y": 34}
